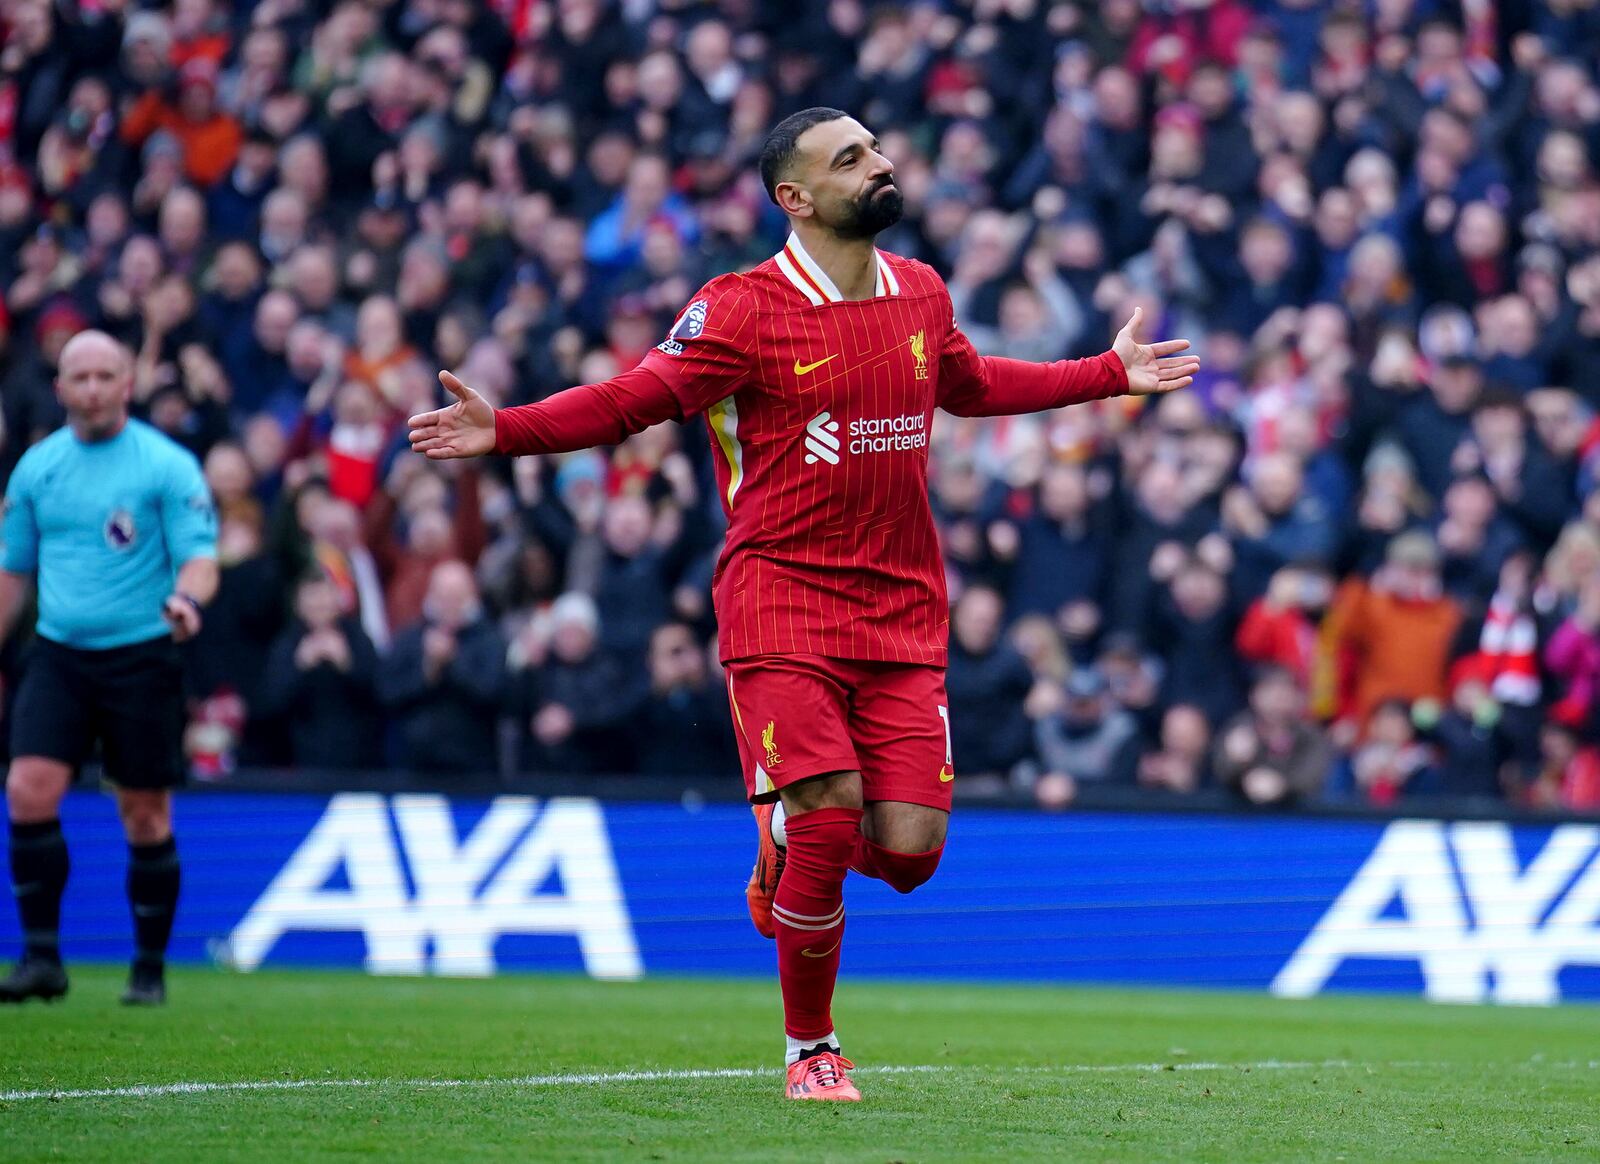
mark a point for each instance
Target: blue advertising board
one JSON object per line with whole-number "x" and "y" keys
{"x": 420, "y": 884}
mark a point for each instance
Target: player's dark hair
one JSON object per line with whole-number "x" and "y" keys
{"x": 778, "y": 151}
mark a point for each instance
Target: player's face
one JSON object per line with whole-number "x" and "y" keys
{"x": 850, "y": 183}
{"x": 95, "y": 384}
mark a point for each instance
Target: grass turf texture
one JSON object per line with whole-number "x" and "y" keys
{"x": 1412, "y": 1081}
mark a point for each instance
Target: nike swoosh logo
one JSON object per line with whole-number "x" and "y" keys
{"x": 806, "y": 369}
{"x": 824, "y": 954}
{"x": 945, "y": 775}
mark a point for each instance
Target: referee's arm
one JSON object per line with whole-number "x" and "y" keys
{"x": 189, "y": 524}
{"x": 19, "y": 550}
{"x": 13, "y": 597}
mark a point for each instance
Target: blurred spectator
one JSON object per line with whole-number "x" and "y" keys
{"x": 320, "y": 681}
{"x": 1391, "y": 637}
{"x": 1060, "y": 555}
{"x": 684, "y": 727}
{"x": 577, "y": 704}
{"x": 632, "y": 591}
{"x": 208, "y": 136}
{"x": 1194, "y": 629}
{"x": 1087, "y": 739}
{"x": 444, "y": 679}
{"x": 1568, "y": 775}
{"x": 1391, "y": 761}
{"x": 1469, "y": 747}
{"x": 987, "y": 682}
{"x": 1573, "y": 657}
{"x": 1179, "y": 761}
{"x": 1280, "y": 627}
{"x": 1274, "y": 522}
{"x": 1269, "y": 754}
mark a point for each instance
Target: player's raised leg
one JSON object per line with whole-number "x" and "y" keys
{"x": 900, "y": 728}
{"x": 823, "y": 825}
{"x": 34, "y": 788}
{"x": 900, "y": 843}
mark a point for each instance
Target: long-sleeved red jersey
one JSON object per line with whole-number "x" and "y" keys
{"x": 819, "y": 410}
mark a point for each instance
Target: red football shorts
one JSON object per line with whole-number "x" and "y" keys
{"x": 799, "y": 716}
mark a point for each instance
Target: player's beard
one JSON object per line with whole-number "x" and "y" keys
{"x": 872, "y": 213}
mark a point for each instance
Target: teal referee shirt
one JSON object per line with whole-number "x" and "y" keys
{"x": 106, "y": 526}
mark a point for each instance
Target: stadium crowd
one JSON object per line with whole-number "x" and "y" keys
{"x": 1359, "y": 561}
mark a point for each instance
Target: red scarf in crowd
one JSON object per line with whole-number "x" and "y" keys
{"x": 1507, "y": 659}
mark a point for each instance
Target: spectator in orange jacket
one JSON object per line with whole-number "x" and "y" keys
{"x": 210, "y": 138}
{"x": 1391, "y": 636}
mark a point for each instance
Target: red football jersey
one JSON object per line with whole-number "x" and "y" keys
{"x": 820, "y": 411}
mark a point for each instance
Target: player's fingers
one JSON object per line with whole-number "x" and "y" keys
{"x": 456, "y": 388}
{"x": 1132, "y": 326}
{"x": 1167, "y": 347}
{"x": 1174, "y": 385}
{"x": 442, "y": 451}
{"x": 1177, "y": 368}
{"x": 424, "y": 419}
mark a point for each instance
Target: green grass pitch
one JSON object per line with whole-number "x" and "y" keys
{"x": 535, "y": 1068}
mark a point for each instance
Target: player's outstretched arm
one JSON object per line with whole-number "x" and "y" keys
{"x": 1153, "y": 368}
{"x": 585, "y": 417}
{"x": 462, "y": 429}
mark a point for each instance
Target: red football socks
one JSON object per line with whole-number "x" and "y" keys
{"x": 808, "y": 914}
{"x": 903, "y": 871}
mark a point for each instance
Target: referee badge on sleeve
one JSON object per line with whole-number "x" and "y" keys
{"x": 121, "y": 533}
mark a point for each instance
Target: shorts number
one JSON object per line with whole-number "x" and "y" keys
{"x": 944, "y": 714}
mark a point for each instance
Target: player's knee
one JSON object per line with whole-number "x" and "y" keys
{"x": 904, "y": 872}
{"x": 146, "y": 819}
{"x": 34, "y": 788}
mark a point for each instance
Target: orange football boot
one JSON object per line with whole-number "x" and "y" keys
{"x": 822, "y": 1077}
{"x": 764, "y": 877}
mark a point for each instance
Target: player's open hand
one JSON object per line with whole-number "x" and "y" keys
{"x": 462, "y": 429}
{"x": 1153, "y": 368}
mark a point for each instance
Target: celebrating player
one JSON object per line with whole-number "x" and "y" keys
{"x": 116, "y": 522}
{"x": 818, "y": 373}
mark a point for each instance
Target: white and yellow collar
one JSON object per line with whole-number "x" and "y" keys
{"x": 812, "y": 281}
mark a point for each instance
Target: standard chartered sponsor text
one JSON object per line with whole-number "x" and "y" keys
{"x": 883, "y": 434}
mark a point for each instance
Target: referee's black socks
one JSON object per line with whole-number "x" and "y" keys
{"x": 153, "y": 894}
{"x": 38, "y": 878}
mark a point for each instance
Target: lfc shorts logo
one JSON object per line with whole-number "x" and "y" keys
{"x": 919, "y": 352}
{"x": 769, "y": 743}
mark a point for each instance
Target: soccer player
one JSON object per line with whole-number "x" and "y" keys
{"x": 116, "y": 521}
{"x": 818, "y": 373}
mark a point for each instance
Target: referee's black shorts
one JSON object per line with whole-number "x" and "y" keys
{"x": 129, "y": 700}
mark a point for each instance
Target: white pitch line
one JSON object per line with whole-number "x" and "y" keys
{"x": 605, "y": 1078}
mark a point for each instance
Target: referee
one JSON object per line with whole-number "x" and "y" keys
{"x": 116, "y": 523}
